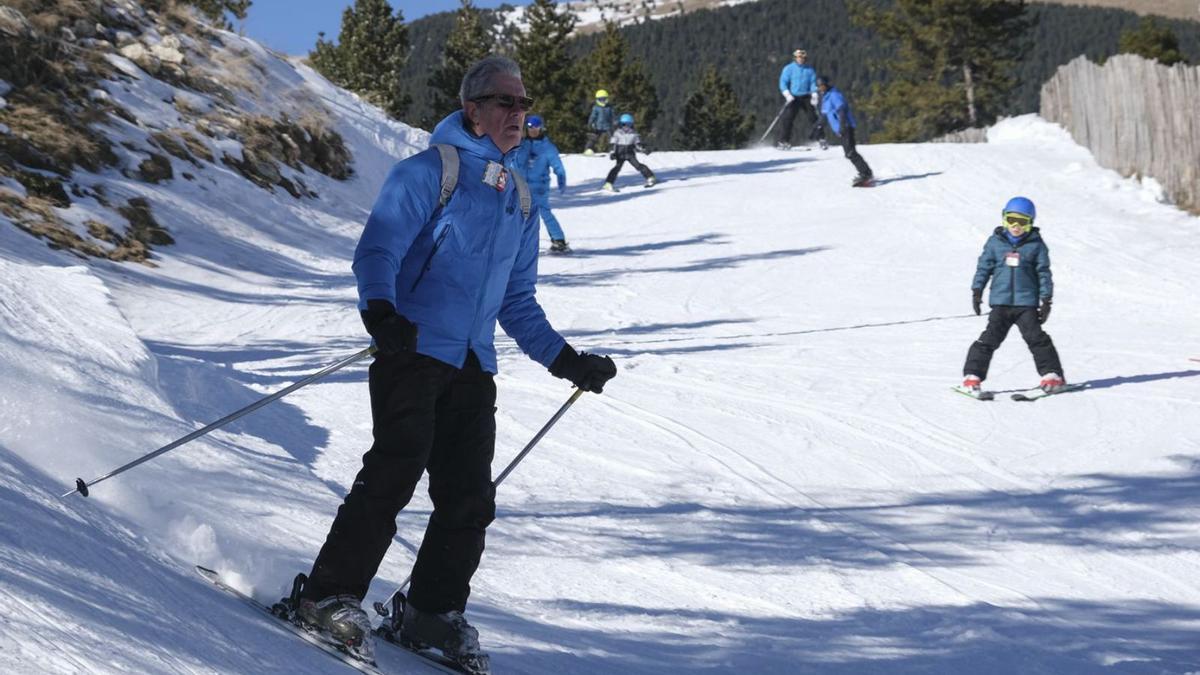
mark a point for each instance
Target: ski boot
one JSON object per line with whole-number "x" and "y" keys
{"x": 559, "y": 246}
{"x": 450, "y": 633}
{"x": 863, "y": 180}
{"x": 972, "y": 384}
{"x": 824, "y": 144}
{"x": 589, "y": 152}
{"x": 341, "y": 620}
{"x": 610, "y": 187}
{"x": 651, "y": 181}
{"x": 783, "y": 145}
{"x": 1052, "y": 383}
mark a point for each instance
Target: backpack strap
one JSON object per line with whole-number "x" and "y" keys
{"x": 522, "y": 193}
{"x": 449, "y": 155}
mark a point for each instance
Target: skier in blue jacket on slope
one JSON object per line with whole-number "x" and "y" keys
{"x": 798, "y": 86}
{"x": 841, "y": 119}
{"x": 535, "y": 158}
{"x": 432, "y": 283}
{"x": 1018, "y": 263}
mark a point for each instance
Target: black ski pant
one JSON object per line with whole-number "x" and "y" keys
{"x": 1000, "y": 320}
{"x": 633, "y": 161}
{"x": 802, "y": 102}
{"x": 852, "y": 154}
{"x": 428, "y": 416}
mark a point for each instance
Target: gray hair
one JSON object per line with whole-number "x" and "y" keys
{"x": 478, "y": 80}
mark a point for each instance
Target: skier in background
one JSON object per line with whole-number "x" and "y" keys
{"x": 1018, "y": 263}
{"x": 600, "y": 124}
{"x": 535, "y": 158}
{"x": 626, "y": 144}
{"x": 835, "y": 108}
{"x": 433, "y": 281}
{"x": 798, "y": 85}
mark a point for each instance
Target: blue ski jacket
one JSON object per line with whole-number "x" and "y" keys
{"x": 602, "y": 117}
{"x": 798, "y": 79}
{"x": 535, "y": 158}
{"x": 1020, "y": 272}
{"x": 455, "y": 271}
{"x": 835, "y": 108}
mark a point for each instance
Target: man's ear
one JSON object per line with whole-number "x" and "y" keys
{"x": 471, "y": 110}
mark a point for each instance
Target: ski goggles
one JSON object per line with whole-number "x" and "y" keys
{"x": 1018, "y": 220}
{"x": 507, "y": 101}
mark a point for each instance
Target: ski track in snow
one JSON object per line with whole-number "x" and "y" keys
{"x": 779, "y": 480}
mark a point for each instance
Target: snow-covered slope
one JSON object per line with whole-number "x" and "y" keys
{"x": 779, "y": 481}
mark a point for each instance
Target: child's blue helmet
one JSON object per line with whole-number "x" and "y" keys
{"x": 625, "y": 118}
{"x": 534, "y": 121}
{"x": 1021, "y": 205}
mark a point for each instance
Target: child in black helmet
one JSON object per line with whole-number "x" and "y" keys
{"x": 626, "y": 143}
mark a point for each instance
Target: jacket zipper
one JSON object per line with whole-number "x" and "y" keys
{"x": 429, "y": 259}
{"x": 487, "y": 269}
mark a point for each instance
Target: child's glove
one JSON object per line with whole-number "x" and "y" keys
{"x": 976, "y": 299}
{"x": 1044, "y": 310}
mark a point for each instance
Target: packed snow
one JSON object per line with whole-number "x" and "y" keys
{"x": 779, "y": 480}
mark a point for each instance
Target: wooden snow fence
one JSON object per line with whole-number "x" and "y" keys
{"x": 1136, "y": 116}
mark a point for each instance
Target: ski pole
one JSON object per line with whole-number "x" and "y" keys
{"x": 82, "y": 487}
{"x": 772, "y": 125}
{"x": 381, "y": 607}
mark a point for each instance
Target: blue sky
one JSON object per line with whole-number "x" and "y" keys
{"x": 291, "y": 26}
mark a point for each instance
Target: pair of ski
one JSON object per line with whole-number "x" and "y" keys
{"x": 1028, "y": 395}
{"x": 281, "y": 613}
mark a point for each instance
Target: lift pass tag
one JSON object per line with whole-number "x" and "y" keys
{"x": 495, "y": 176}
{"x": 1012, "y": 259}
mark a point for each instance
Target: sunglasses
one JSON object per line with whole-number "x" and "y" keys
{"x": 508, "y": 101}
{"x": 1018, "y": 219}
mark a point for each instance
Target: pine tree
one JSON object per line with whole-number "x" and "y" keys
{"x": 548, "y": 71}
{"x": 609, "y": 66}
{"x": 1152, "y": 39}
{"x": 369, "y": 54}
{"x": 469, "y": 41}
{"x": 216, "y": 9}
{"x": 952, "y": 68}
{"x": 712, "y": 117}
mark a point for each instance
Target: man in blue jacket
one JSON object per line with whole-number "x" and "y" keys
{"x": 841, "y": 119}
{"x": 1018, "y": 263}
{"x": 535, "y": 158}
{"x": 798, "y": 86}
{"x": 432, "y": 283}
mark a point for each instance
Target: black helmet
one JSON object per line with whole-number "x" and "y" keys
{"x": 823, "y": 80}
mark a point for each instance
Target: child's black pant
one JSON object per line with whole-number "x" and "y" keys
{"x": 1000, "y": 320}
{"x": 642, "y": 168}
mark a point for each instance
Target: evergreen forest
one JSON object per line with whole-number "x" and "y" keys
{"x": 748, "y": 44}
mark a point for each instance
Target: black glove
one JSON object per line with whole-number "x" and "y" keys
{"x": 587, "y": 371}
{"x": 976, "y": 299}
{"x": 393, "y": 333}
{"x": 1044, "y": 310}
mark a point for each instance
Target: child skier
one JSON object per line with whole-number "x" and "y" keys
{"x": 535, "y": 158}
{"x": 1018, "y": 263}
{"x": 600, "y": 123}
{"x": 626, "y": 144}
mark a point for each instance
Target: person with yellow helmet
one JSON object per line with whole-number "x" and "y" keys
{"x": 600, "y": 124}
